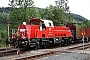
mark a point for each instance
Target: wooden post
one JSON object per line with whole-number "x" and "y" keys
{"x": 8, "y": 22}
{"x": 18, "y": 51}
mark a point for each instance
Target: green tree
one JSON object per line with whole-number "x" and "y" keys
{"x": 56, "y": 14}
{"x": 3, "y": 38}
{"x": 22, "y": 5}
{"x": 62, "y": 4}
{"x": 33, "y": 11}
{"x": 22, "y": 11}
{"x": 20, "y": 8}
{"x": 3, "y": 17}
{"x": 16, "y": 16}
{"x": 85, "y": 24}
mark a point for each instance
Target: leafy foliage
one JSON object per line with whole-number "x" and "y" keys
{"x": 17, "y": 16}
{"x": 5, "y": 9}
{"x": 4, "y": 14}
{"x": 23, "y": 13}
{"x": 62, "y": 4}
{"x": 85, "y": 24}
{"x": 58, "y": 15}
{"x": 22, "y": 5}
{"x": 3, "y": 38}
{"x": 3, "y": 17}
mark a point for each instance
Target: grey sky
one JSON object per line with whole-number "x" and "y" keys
{"x": 80, "y": 7}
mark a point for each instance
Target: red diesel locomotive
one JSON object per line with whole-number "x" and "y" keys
{"x": 41, "y": 33}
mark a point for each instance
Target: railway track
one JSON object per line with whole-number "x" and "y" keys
{"x": 79, "y": 47}
{"x": 5, "y": 51}
{"x": 12, "y": 51}
{"x": 5, "y": 48}
{"x": 38, "y": 56}
{"x": 8, "y": 52}
{"x": 47, "y": 53}
{"x": 50, "y": 53}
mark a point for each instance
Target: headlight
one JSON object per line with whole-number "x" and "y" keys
{"x": 22, "y": 30}
{"x": 18, "y": 35}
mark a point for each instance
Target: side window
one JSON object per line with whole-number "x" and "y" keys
{"x": 50, "y": 24}
{"x": 43, "y": 26}
{"x": 35, "y": 23}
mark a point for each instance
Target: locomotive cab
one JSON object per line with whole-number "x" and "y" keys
{"x": 42, "y": 23}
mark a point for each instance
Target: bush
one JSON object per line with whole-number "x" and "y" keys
{"x": 3, "y": 38}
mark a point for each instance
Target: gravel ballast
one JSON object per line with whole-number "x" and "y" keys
{"x": 68, "y": 56}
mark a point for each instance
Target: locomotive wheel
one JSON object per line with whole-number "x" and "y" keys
{"x": 66, "y": 42}
{"x": 71, "y": 41}
{"x": 37, "y": 46}
{"x": 60, "y": 44}
{"x": 45, "y": 44}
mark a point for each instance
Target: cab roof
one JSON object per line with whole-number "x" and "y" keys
{"x": 48, "y": 23}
